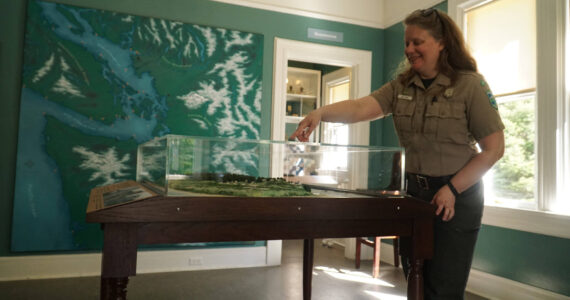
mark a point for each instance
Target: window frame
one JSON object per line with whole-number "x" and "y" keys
{"x": 552, "y": 163}
{"x": 515, "y": 97}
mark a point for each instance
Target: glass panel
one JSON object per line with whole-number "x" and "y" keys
{"x": 299, "y": 105}
{"x": 219, "y": 166}
{"x": 151, "y": 164}
{"x": 512, "y": 179}
{"x": 303, "y": 81}
{"x": 502, "y": 37}
{"x": 293, "y": 107}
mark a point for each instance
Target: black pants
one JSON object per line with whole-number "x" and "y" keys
{"x": 445, "y": 275}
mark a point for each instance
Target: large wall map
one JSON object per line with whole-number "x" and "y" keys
{"x": 95, "y": 85}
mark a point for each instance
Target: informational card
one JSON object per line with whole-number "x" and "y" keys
{"x": 117, "y": 194}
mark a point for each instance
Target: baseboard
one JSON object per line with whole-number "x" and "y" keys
{"x": 491, "y": 286}
{"x": 494, "y": 287}
{"x": 155, "y": 261}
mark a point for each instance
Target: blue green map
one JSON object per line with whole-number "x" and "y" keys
{"x": 95, "y": 85}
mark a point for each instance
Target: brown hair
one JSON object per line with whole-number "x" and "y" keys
{"x": 454, "y": 57}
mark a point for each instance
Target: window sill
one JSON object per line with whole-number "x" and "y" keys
{"x": 539, "y": 222}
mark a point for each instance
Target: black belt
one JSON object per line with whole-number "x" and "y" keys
{"x": 428, "y": 182}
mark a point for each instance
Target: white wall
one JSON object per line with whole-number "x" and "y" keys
{"x": 396, "y": 11}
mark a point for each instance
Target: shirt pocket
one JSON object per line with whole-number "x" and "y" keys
{"x": 446, "y": 122}
{"x": 403, "y": 115}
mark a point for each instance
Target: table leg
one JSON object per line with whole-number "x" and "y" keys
{"x": 114, "y": 288}
{"x": 416, "y": 280}
{"x": 119, "y": 259}
{"x": 308, "y": 252}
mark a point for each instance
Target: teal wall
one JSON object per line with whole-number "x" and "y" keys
{"x": 533, "y": 259}
{"x": 209, "y": 13}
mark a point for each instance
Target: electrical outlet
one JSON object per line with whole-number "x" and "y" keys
{"x": 195, "y": 261}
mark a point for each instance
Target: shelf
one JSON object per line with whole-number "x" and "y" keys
{"x": 293, "y": 119}
{"x": 300, "y": 96}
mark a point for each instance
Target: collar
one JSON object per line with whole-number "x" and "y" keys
{"x": 440, "y": 79}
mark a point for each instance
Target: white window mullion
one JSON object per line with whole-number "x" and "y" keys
{"x": 549, "y": 94}
{"x": 563, "y": 117}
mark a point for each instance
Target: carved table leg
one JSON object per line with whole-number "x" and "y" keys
{"x": 119, "y": 259}
{"x": 308, "y": 252}
{"x": 416, "y": 280}
{"x": 114, "y": 288}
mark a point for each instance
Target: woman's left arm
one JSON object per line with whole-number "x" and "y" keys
{"x": 492, "y": 149}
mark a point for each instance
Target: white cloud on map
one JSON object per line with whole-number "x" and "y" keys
{"x": 127, "y": 19}
{"x": 168, "y": 35}
{"x": 210, "y": 38}
{"x": 64, "y": 66}
{"x": 44, "y": 70}
{"x": 106, "y": 166}
{"x": 63, "y": 86}
{"x": 241, "y": 113}
{"x": 228, "y": 156}
{"x": 238, "y": 40}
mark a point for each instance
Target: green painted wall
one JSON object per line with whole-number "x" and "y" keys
{"x": 203, "y": 12}
{"x": 533, "y": 259}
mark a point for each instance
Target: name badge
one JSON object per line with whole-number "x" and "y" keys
{"x": 405, "y": 97}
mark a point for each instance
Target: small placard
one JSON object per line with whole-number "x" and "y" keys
{"x": 116, "y": 194}
{"x": 326, "y": 35}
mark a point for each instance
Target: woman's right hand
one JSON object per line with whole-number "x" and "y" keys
{"x": 307, "y": 126}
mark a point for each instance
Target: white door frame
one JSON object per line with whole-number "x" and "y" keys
{"x": 359, "y": 60}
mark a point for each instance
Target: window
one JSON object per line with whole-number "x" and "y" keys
{"x": 534, "y": 174}
{"x": 336, "y": 88}
{"x": 505, "y": 50}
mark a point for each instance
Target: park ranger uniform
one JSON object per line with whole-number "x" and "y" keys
{"x": 439, "y": 127}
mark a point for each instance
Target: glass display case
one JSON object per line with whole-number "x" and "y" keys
{"x": 176, "y": 165}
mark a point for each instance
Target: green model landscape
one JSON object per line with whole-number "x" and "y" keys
{"x": 240, "y": 185}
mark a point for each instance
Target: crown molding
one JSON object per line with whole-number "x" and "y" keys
{"x": 307, "y": 12}
{"x": 388, "y": 12}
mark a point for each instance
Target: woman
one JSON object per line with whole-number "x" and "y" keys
{"x": 442, "y": 108}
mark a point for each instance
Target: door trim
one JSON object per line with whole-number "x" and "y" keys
{"x": 359, "y": 60}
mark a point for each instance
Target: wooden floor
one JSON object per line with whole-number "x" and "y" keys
{"x": 334, "y": 277}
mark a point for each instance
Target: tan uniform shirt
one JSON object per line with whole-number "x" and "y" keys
{"x": 439, "y": 127}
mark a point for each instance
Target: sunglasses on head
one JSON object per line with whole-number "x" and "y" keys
{"x": 428, "y": 12}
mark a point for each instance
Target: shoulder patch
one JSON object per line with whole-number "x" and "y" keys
{"x": 483, "y": 83}
{"x": 492, "y": 100}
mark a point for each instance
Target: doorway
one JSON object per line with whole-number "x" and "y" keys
{"x": 359, "y": 62}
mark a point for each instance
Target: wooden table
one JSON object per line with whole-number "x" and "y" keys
{"x": 155, "y": 219}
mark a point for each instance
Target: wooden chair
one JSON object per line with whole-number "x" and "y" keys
{"x": 376, "y": 245}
